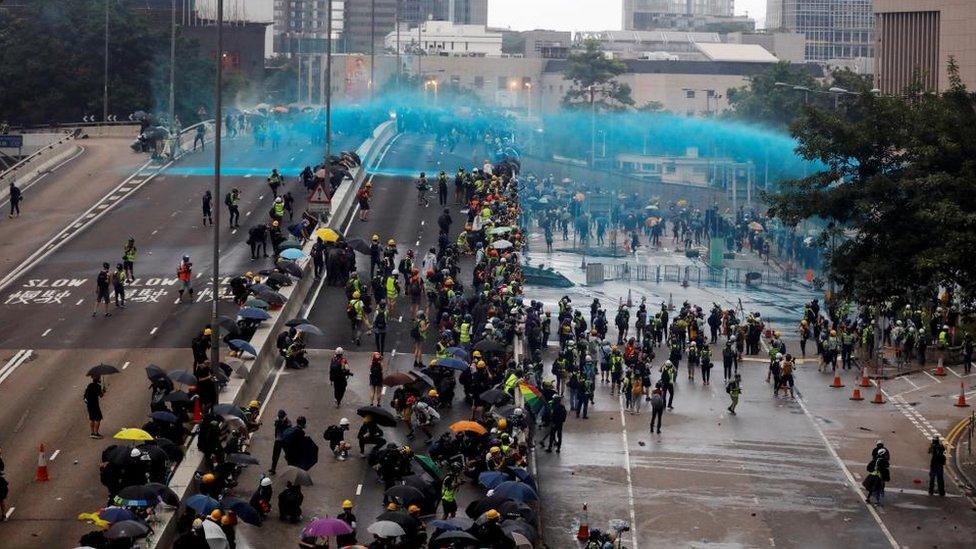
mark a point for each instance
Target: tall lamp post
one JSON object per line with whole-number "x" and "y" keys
{"x": 372, "y": 47}
{"x": 218, "y": 118}
{"x": 105, "y": 76}
{"x": 328, "y": 91}
{"x": 172, "y": 73}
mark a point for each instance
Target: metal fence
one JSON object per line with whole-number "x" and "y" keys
{"x": 697, "y": 275}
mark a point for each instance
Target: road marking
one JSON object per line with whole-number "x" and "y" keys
{"x": 417, "y": 244}
{"x": 154, "y": 232}
{"x": 261, "y": 197}
{"x": 935, "y": 379}
{"x": 910, "y": 382}
{"x": 199, "y": 275}
{"x": 101, "y": 206}
{"x": 11, "y": 366}
{"x": 137, "y": 181}
{"x": 153, "y": 331}
{"x": 847, "y": 473}
{"x": 247, "y": 214}
{"x": 234, "y": 231}
{"x": 400, "y": 319}
{"x": 9, "y": 512}
{"x": 351, "y": 217}
{"x": 89, "y": 216}
{"x": 383, "y": 390}
{"x": 630, "y": 481}
{"x": 46, "y": 332}
{"x": 248, "y": 176}
{"x": 174, "y": 213}
{"x": 115, "y": 197}
{"x": 13, "y": 359}
{"x": 953, "y": 372}
{"x": 80, "y": 301}
{"x": 359, "y": 490}
{"x": 125, "y": 189}
{"x": 422, "y": 221}
{"x": 54, "y": 455}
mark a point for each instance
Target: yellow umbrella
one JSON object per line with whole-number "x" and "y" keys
{"x": 133, "y": 434}
{"x": 95, "y": 519}
{"x": 327, "y": 235}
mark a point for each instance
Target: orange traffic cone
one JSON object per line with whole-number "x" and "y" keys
{"x": 865, "y": 382}
{"x": 583, "y": 533}
{"x": 939, "y": 370}
{"x": 878, "y": 398}
{"x": 197, "y": 410}
{"x": 857, "y": 394}
{"x": 837, "y": 384}
{"x": 961, "y": 403}
{"x": 41, "y": 475}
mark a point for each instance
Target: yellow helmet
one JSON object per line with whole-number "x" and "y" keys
{"x": 392, "y": 506}
{"x": 249, "y": 274}
{"x": 804, "y": 322}
{"x": 216, "y": 514}
{"x": 495, "y": 450}
{"x": 502, "y": 424}
{"x": 476, "y": 354}
{"x": 376, "y": 238}
{"x": 207, "y": 332}
{"x": 274, "y": 223}
{"x": 432, "y": 393}
{"x": 413, "y": 509}
{"x": 776, "y": 333}
{"x": 356, "y": 294}
{"x": 347, "y": 504}
{"x": 492, "y": 514}
{"x": 481, "y": 364}
{"x": 208, "y": 478}
{"x": 254, "y": 404}
{"x": 391, "y": 242}
{"x": 833, "y": 332}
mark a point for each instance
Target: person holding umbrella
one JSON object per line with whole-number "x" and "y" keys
{"x": 93, "y": 393}
{"x": 349, "y": 518}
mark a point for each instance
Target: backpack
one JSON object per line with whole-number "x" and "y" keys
{"x": 728, "y": 387}
{"x": 227, "y": 200}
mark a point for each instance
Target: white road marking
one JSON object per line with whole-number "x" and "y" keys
{"x": 15, "y": 363}
{"x": 54, "y": 455}
{"x": 154, "y": 232}
{"x": 137, "y": 181}
{"x": 247, "y": 214}
{"x": 247, "y": 176}
{"x": 234, "y": 231}
{"x": 80, "y": 301}
{"x": 101, "y": 206}
{"x": 417, "y": 244}
{"x": 422, "y": 221}
{"x": 854, "y": 485}
{"x": 13, "y": 359}
{"x": 9, "y": 512}
{"x": 153, "y": 331}
{"x": 359, "y": 490}
{"x": 953, "y": 372}
{"x": 174, "y": 213}
{"x": 935, "y": 379}
{"x": 126, "y": 365}
{"x": 261, "y": 197}
{"x": 630, "y": 481}
{"x": 89, "y": 216}
{"x": 125, "y": 189}
{"x": 400, "y": 319}
{"x": 115, "y": 197}
{"x": 199, "y": 275}
{"x": 910, "y": 382}
{"x": 46, "y": 332}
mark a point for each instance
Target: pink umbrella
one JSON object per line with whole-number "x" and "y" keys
{"x": 327, "y": 527}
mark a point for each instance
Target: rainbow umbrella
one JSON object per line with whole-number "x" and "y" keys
{"x": 532, "y": 397}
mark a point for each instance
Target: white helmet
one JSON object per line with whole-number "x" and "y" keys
{"x": 668, "y": 363}
{"x": 278, "y": 200}
{"x": 135, "y": 453}
{"x": 265, "y": 481}
{"x": 338, "y": 350}
{"x": 344, "y": 421}
{"x": 779, "y": 356}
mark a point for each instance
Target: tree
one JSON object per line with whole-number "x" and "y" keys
{"x": 594, "y": 80}
{"x": 764, "y": 102}
{"x": 897, "y": 181}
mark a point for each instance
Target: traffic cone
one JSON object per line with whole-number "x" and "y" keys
{"x": 865, "y": 382}
{"x": 837, "y": 384}
{"x": 197, "y": 410}
{"x": 857, "y": 394}
{"x": 878, "y": 398}
{"x": 583, "y": 533}
{"x": 939, "y": 370}
{"x": 961, "y": 403}
{"x": 41, "y": 475}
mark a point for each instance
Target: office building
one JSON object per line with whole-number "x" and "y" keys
{"x": 919, "y": 37}
{"x": 300, "y": 26}
{"x": 360, "y": 20}
{"x": 834, "y": 29}
{"x": 446, "y": 38}
{"x": 689, "y": 15}
{"x": 547, "y": 44}
{"x": 786, "y": 46}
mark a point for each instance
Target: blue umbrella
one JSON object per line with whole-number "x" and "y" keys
{"x": 518, "y": 491}
{"x": 524, "y": 476}
{"x": 452, "y": 363}
{"x": 202, "y": 504}
{"x": 451, "y": 525}
{"x": 253, "y": 313}
{"x": 458, "y": 352}
{"x": 491, "y": 479}
{"x": 241, "y": 345}
{"x": 292, "y": 254}
{"x": 163, "y": 415}
{"x": 116, "y": 514}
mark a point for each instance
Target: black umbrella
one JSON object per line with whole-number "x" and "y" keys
{"x": 243, "y": 459}
{"x": 173, "y": 452}
{"x": 309, "y": 329}
{"x": 405, "y": 495}
{"x": 228, "y": 324}
{"x": 259, "y": 288}
{"x": 400, "y": 517}
{"x": 229, "y": 410}
{"x": 296, "y": 322}
{"x": 291, "y": 268}
{"x": 183, "y": 377}
{"x": 520, "y": 526}
{"x": 127, "y": 529}
{"x": 423, "y": 377}
{"x": 515, "y": 509}
{"x": 165, "y": 493}
{"x": 359, "y": 245}
{"x": 280, "y": 278}
{"x": 381, "y": 416}
{"x": 176, "y": 396}
{"x": 305, "y": 454}
{"x": 155, "y": 453}
{"x": 295, "y": 475}
{"x": 164, "y": 416}
{"x": 102, "y": 370}
{"x": 489, "y": 346}
{"x": 115, "y": 454}
{"x": 479, "y": 507}
{"x": 153, "y": 372}
{"x": 494, "y": 396}
{"x": 272, "y": 297}
{"x": 242, "y": 509}
{"x": 139, "y": 492}
{"x": 457, "y": 536}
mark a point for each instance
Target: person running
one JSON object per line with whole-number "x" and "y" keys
{"x": 734, "y": 389}
{"x": 102, "y": 283}
{"x": 232, "y": 200}
{"x": 207, "y": 206}
{"x": 118, "y": 286}
{"x": 184, "y": 272}
{"x": 275, "y": 181}
{"x": 129, "y": 259}
{"x": 93, "y": 393}
{"x": 16, "y": 197}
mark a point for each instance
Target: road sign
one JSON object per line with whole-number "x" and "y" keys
{"x": 11, "y": 141}
{"x": 318, "y": 200}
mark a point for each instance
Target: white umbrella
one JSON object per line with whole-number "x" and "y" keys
{"x": 386, "y": 529}
{"x": 216, "y": 538}
{"x": 501, "y": 244}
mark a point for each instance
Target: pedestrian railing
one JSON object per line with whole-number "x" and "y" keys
{"x": 697, "y": 275}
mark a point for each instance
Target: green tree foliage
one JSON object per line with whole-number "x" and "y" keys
{"x": 594, "y": 80}
{"x": 898, "y": 180}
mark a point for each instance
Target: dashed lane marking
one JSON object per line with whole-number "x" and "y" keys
{"x": 46, "y": 332}
{"x": 115, "y": 197}
{"x": 126, "y": 365}
{"x": 154, "y": 232}
{"x": 80, "y": 301}
{"x": 359, "y": 490}
{"x": 15, "y": 363}
{"x": 101, "y": 206}
{"x": 54, "y": 455}
{"x": 953, "y": 372}
{"x": 153, "y": 331}
{"x": 9, "y": 512}
{"x": 935, "y": 379}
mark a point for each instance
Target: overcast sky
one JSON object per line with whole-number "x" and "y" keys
{"x": 548, "y": 14}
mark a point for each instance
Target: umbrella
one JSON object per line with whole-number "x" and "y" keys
{"x": 522, "y": 475}
{"x": 452, "y": 363}
{"x": 102, "y": 370}
{"x": 163, "y": 415}
{"x": 406, "y": 521}
{"x": 202, "y": 504}
{"x": 450, "y": 525}
{"x": 405, "y": 495}
{"x": 153, "y": 372}
{"x": 183, "y": 377}
{"x": 272, "y": 297}
{"x": 227, "y": 323}
{"x": 293, "y": 254}
{"x": 280, "y": 278}
{"x": 176, "y": 396}
{"x": 291, "y": 268}
{"x": 359, "y": 245}
{"x": 477, "y": 508}
{"x": 229, "y": 410}
{"x": 258, "y": 288}
{"x": 456, "y": 535}
{"x": 309, "y": 329}
{"x": 513, "y": 527}
{"x": 241, "y": 345}
{"x": 386, "y": 529}
{"x": 429, "y": 466}
{"x": 469, "y": 427}
{"x": 257, "y": 303}
{"x": 216, "y": 538}
{"x": 326, "y": 528}
{"x": 491, "y": 479}
{"x": 295, "y": 475}
{"x": 290, "y": 243}
{"x": 296, "y": 322}
{"x": 501, "y": 244}
{"x": 494, "y": 396}
{"x": 242, "y": 508}
{"x": 652, "y": 221}
{"x": 500, "y": 230}
{"x": 138, "y": 496}
{"x": 398, "y": 378}
{"x": 253, "y": 313}
{"x": 243, "y": 459}
{"x": 518, "y": 491}
{"x": 133, "y": 434}
{"x": 127, "y": 529}
{"x": 119, "y": 455}
{"x": 116, "y": 514}
{"x": 521, "y": 542}
{"x": 423, "y": 377}
{"x": 381, "y": 416}
{"x": 458, "y": 352}
{"x": 234, "y": 423}
{"x": 327, "y": 234}
{"x": 489, "y": 346}
{"x": 165, "y": 493}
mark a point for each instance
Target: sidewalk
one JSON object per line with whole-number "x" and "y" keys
{"x": 965, "y": 459}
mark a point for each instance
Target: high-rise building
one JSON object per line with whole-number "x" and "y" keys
{"x": 362, "y": 24}
{"x": 916, "y": 38}
{"x": 300, "y": 26}
{"x": 462, "y": 12}
{"x": 651, "y": 14}
{"x": 834, "y": 29}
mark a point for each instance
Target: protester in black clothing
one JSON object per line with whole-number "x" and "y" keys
{"x": 93, "y": 393}
{"x": 281, "y": 424}
{"x": 102, "y": 283}
{"x": 339, "y": 375}
{"x": 207, "y": 206}
{"x": 16, "y": 197}
{"x": 557, "y": 417}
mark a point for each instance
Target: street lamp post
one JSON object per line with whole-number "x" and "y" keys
{"x": 172, "y": 74}
{"x": 215, "y": 342}
{"x": 396, "y": 18}
{"x": 372, "y": 47}
{"x": 328, "y": 92}
{"x": 105, "y": 76}
{"x": 592, "y": 89}
{"x": 528, "y": 99}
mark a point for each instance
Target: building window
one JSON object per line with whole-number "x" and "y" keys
{"x": 479, "y": 82}
{"x": 690, "y": 94}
